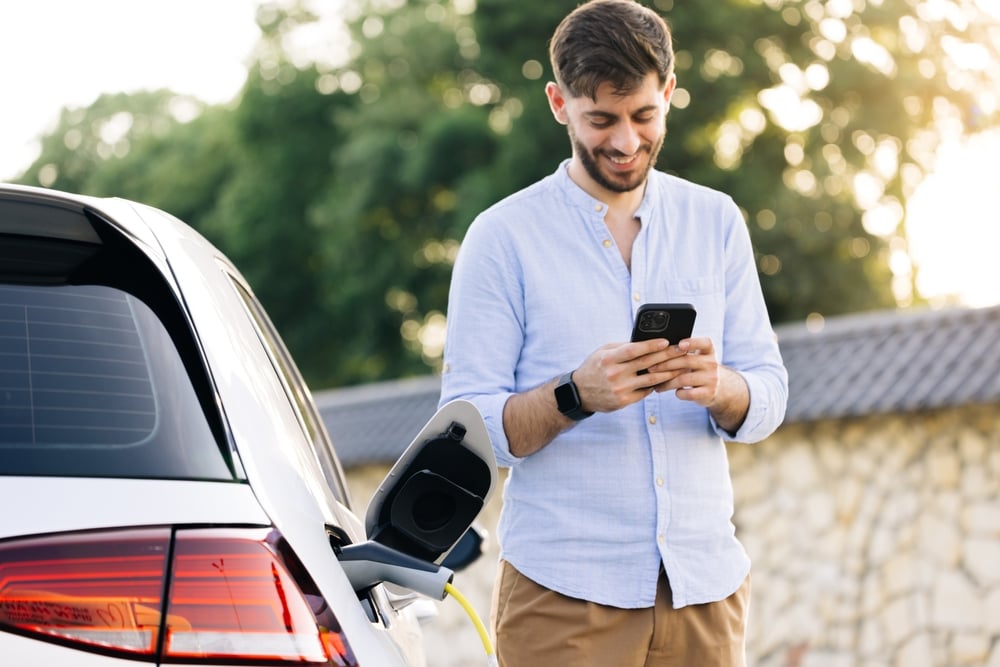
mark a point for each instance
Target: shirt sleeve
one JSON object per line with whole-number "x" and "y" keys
{"x": 750, "y": 346}
{"x": 485, "y": 329}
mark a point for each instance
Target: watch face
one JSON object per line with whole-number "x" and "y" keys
{"x": 566, "y": 396}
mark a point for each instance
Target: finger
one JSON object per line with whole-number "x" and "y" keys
{"x": 701, "y": 345}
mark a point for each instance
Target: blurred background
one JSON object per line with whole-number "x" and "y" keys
{"x": 338, "y": 150}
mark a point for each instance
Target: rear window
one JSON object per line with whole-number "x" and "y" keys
{"x": 92, "y": 385}
{"x": 100, "y": 374}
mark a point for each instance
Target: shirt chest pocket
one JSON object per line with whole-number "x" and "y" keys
{"x": 708, "y": 296}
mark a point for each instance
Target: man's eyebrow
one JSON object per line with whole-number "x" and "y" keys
{"x": 604, "y": 114}
{"x": 596, "y": 113}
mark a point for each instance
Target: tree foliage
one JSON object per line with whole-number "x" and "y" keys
{"x": 343, "y": 190}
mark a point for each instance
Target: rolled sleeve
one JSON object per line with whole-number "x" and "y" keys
{"x": 484, "y": 330}
{"x": 750, "y": 346}
{"x": 491, "y": 407}
{"x": 768, "y": 397}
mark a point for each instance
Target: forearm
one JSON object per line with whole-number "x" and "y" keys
{"x": 732, "y": 401}
{"x": 532, "y": 419}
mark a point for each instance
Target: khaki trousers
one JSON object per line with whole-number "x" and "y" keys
{"x": 536, "y": 627}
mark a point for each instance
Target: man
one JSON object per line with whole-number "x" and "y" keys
{"x": 616, "y": 534}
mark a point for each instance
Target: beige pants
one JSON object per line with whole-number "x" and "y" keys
{"x": 536, "y": 627}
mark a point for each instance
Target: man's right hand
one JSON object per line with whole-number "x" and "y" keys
{"x": 607, "y": 380}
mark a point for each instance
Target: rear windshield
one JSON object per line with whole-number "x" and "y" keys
{"x": 92, "y": 384}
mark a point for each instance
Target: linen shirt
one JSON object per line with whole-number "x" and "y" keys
{"x": 538, "y": 285}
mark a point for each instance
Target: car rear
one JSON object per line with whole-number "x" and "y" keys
{"x": 131, "y": 530}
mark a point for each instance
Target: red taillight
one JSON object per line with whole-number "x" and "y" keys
{"x": 102, "y": 590}
{"x": 231, "y": 597}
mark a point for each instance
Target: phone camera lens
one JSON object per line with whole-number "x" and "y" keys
{"x": 655, "y": 320}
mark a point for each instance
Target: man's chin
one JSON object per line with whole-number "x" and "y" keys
{"x": 624, "y": 182}
{"x": 619, "y": 180}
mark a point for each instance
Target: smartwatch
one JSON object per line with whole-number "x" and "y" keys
{"x": 568, "y": 398}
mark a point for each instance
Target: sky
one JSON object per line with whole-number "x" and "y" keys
{"x": 60, "y": 53}
{"x": 953, "y": 222}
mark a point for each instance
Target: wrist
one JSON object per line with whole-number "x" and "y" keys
{"x": 568, "y": 399}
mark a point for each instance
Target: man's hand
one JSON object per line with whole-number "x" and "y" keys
{"x": 695, "y": 374}
{"x": 609, "y": 378}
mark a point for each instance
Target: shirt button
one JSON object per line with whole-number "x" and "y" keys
{"x": 659, "y": 538}
{"x": 652, "y": 419}
{"x": 659, "y": 481}
{"x": 598, "y": 207}
{"x": 636, "y": 297}
{"x": 606, "y": 243}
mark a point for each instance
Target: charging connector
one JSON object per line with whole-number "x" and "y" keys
{"x": 371, "y": 563}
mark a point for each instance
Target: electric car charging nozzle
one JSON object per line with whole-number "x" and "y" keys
{"x": 371, "y": 563}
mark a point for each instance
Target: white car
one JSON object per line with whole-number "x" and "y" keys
{"x": 169, "y": 494}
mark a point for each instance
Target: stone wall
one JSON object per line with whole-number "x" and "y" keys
{"x": 875, "y": 543}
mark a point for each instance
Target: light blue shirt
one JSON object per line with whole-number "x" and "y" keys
{"x": 538, "y": 285}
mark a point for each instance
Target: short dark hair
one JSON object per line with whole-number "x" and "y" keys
{"x": 615, "y": 41}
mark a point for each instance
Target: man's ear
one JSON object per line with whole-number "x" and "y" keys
{"x": 668, "y": 90}
{"x": 557, "y": 102}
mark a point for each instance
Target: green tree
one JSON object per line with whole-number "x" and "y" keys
{"x": 167, "y": 149}
{"x": 343, "y": 190}
{"x": 817, "y": 117}
{"x": 406, "y": 180}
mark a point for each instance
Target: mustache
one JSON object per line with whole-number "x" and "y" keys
{"x": 613, "y": 153}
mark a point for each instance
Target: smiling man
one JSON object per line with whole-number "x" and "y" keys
{"x": 616, "y": 534}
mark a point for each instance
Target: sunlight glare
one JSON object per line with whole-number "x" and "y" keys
{"x": 953, "y": 223}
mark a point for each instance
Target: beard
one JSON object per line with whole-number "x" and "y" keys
{"x": 615, "y": 182}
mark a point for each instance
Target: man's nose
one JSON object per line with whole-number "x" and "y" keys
{"x": 626, "y": 139}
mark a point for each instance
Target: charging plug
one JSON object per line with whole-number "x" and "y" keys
{"x": 371, "y": 563}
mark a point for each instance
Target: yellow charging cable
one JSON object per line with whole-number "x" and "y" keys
{"x": 484, "y": 636}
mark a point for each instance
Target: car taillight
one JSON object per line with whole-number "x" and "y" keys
{"x": 232, "y": 595}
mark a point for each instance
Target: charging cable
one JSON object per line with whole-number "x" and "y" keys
{"x": 484, "y": 636}
{"x": 371, "y": 563}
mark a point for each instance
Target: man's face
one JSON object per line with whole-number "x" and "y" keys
{"x": 616, "y": 138}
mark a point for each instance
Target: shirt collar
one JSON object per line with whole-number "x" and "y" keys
{"x": 577, "y": 196}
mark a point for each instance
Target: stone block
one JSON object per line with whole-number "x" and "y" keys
{"x": 916, "y": 652}
{"x": 991, "y": 609}
{"x": 939, "y": 540}
{"x": 797, "y": 469}
{"x": 944, "y": 467}
{"x": 994, "y": 659}
{"x": 982, "y": 519}
{"x": 904, "y": 617}
{"x": 969, "y": 649}
{"x": 905, "y": 573}
{"x": 981, "y": 558}
{"x": 956, "y": 603}
{"x": 977, "y": 483}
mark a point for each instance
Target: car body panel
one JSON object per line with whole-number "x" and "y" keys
{"x": 61, "y": 504}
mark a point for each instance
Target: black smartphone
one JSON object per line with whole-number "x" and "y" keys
{"x": 673, "y": 321}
